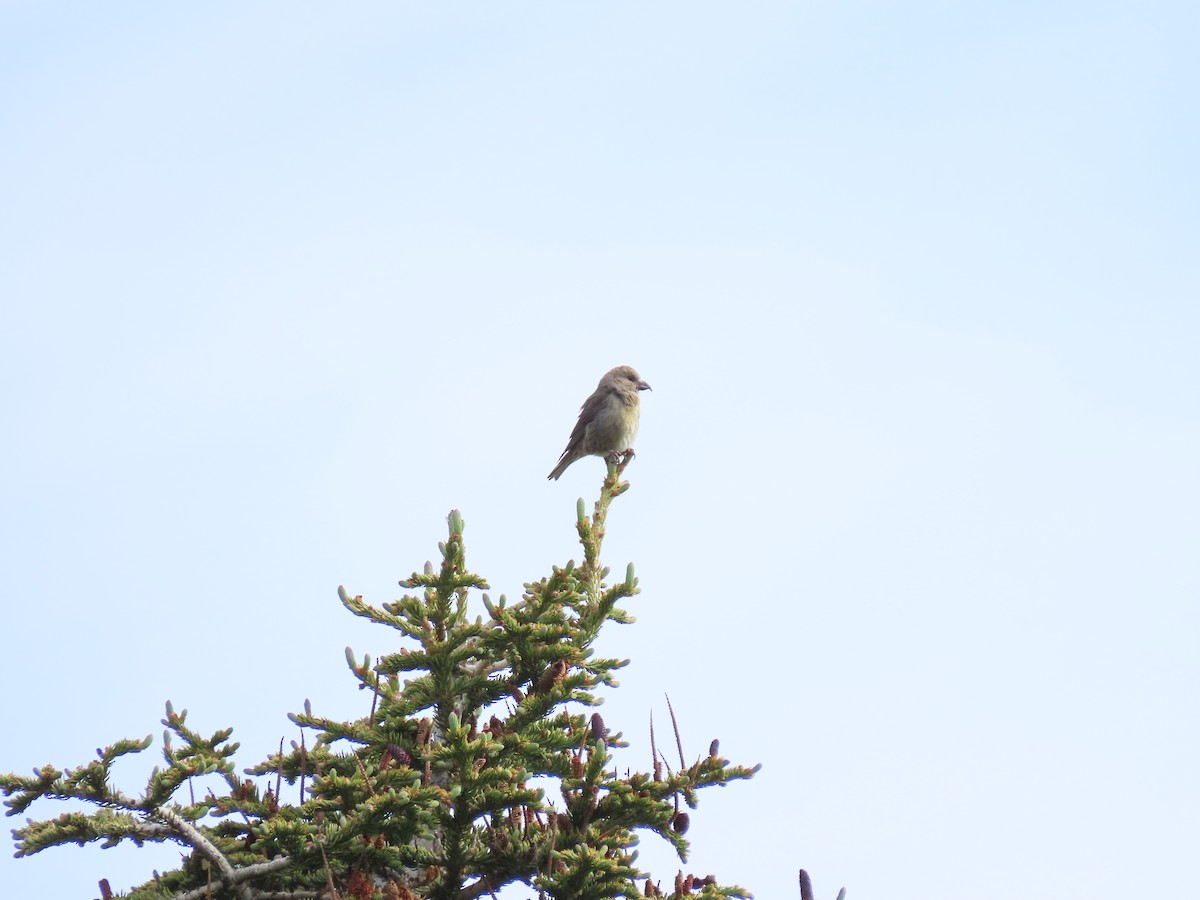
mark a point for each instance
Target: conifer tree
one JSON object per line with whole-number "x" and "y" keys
{"x": 432, "y": 793}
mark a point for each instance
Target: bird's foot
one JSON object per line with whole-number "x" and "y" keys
{"x": 618, "y": 457}
{"x": 622, "y": 460}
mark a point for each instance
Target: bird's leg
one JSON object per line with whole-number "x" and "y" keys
{"x": 623, "y": 459}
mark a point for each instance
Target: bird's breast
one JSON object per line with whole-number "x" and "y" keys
{"x": 614, "y": 428}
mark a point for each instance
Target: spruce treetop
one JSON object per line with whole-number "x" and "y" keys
{"x": 477, "y": 766}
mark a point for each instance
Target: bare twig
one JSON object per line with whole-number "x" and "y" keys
{"x": 654, "y": 763}
{"x": 303, "y": 765}
{"x": 279, "y": 775}
{"x": 366, "y": 778}
{"x": 374, "y": 696}
{"x": 675, "y": 725}
{"x": 333, "y": 891}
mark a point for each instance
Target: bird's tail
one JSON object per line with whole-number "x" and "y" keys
{"x": 561, "y": 467}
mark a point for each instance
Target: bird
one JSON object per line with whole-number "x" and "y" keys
{"x": 608, "y": 420}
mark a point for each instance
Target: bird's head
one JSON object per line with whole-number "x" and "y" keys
{"x": 626, "y": 377}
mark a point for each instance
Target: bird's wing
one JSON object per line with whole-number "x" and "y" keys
{"x": 592, "y": 407}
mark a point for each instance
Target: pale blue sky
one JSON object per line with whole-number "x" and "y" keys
{"x": 915, "y": 509}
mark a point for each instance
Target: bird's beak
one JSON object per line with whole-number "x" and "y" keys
{"x": 644, "y": 386}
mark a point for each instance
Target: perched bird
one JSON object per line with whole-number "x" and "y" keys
{"x": 608, "y": 420}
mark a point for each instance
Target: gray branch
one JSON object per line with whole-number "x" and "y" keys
{"x": 244, "y": 890}
{"x": 229, "y": 876}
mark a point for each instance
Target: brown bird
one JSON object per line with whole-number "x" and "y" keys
{"x": 608, "y": 420}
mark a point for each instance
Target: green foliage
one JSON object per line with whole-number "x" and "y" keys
{"x": 432, "y": 793}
